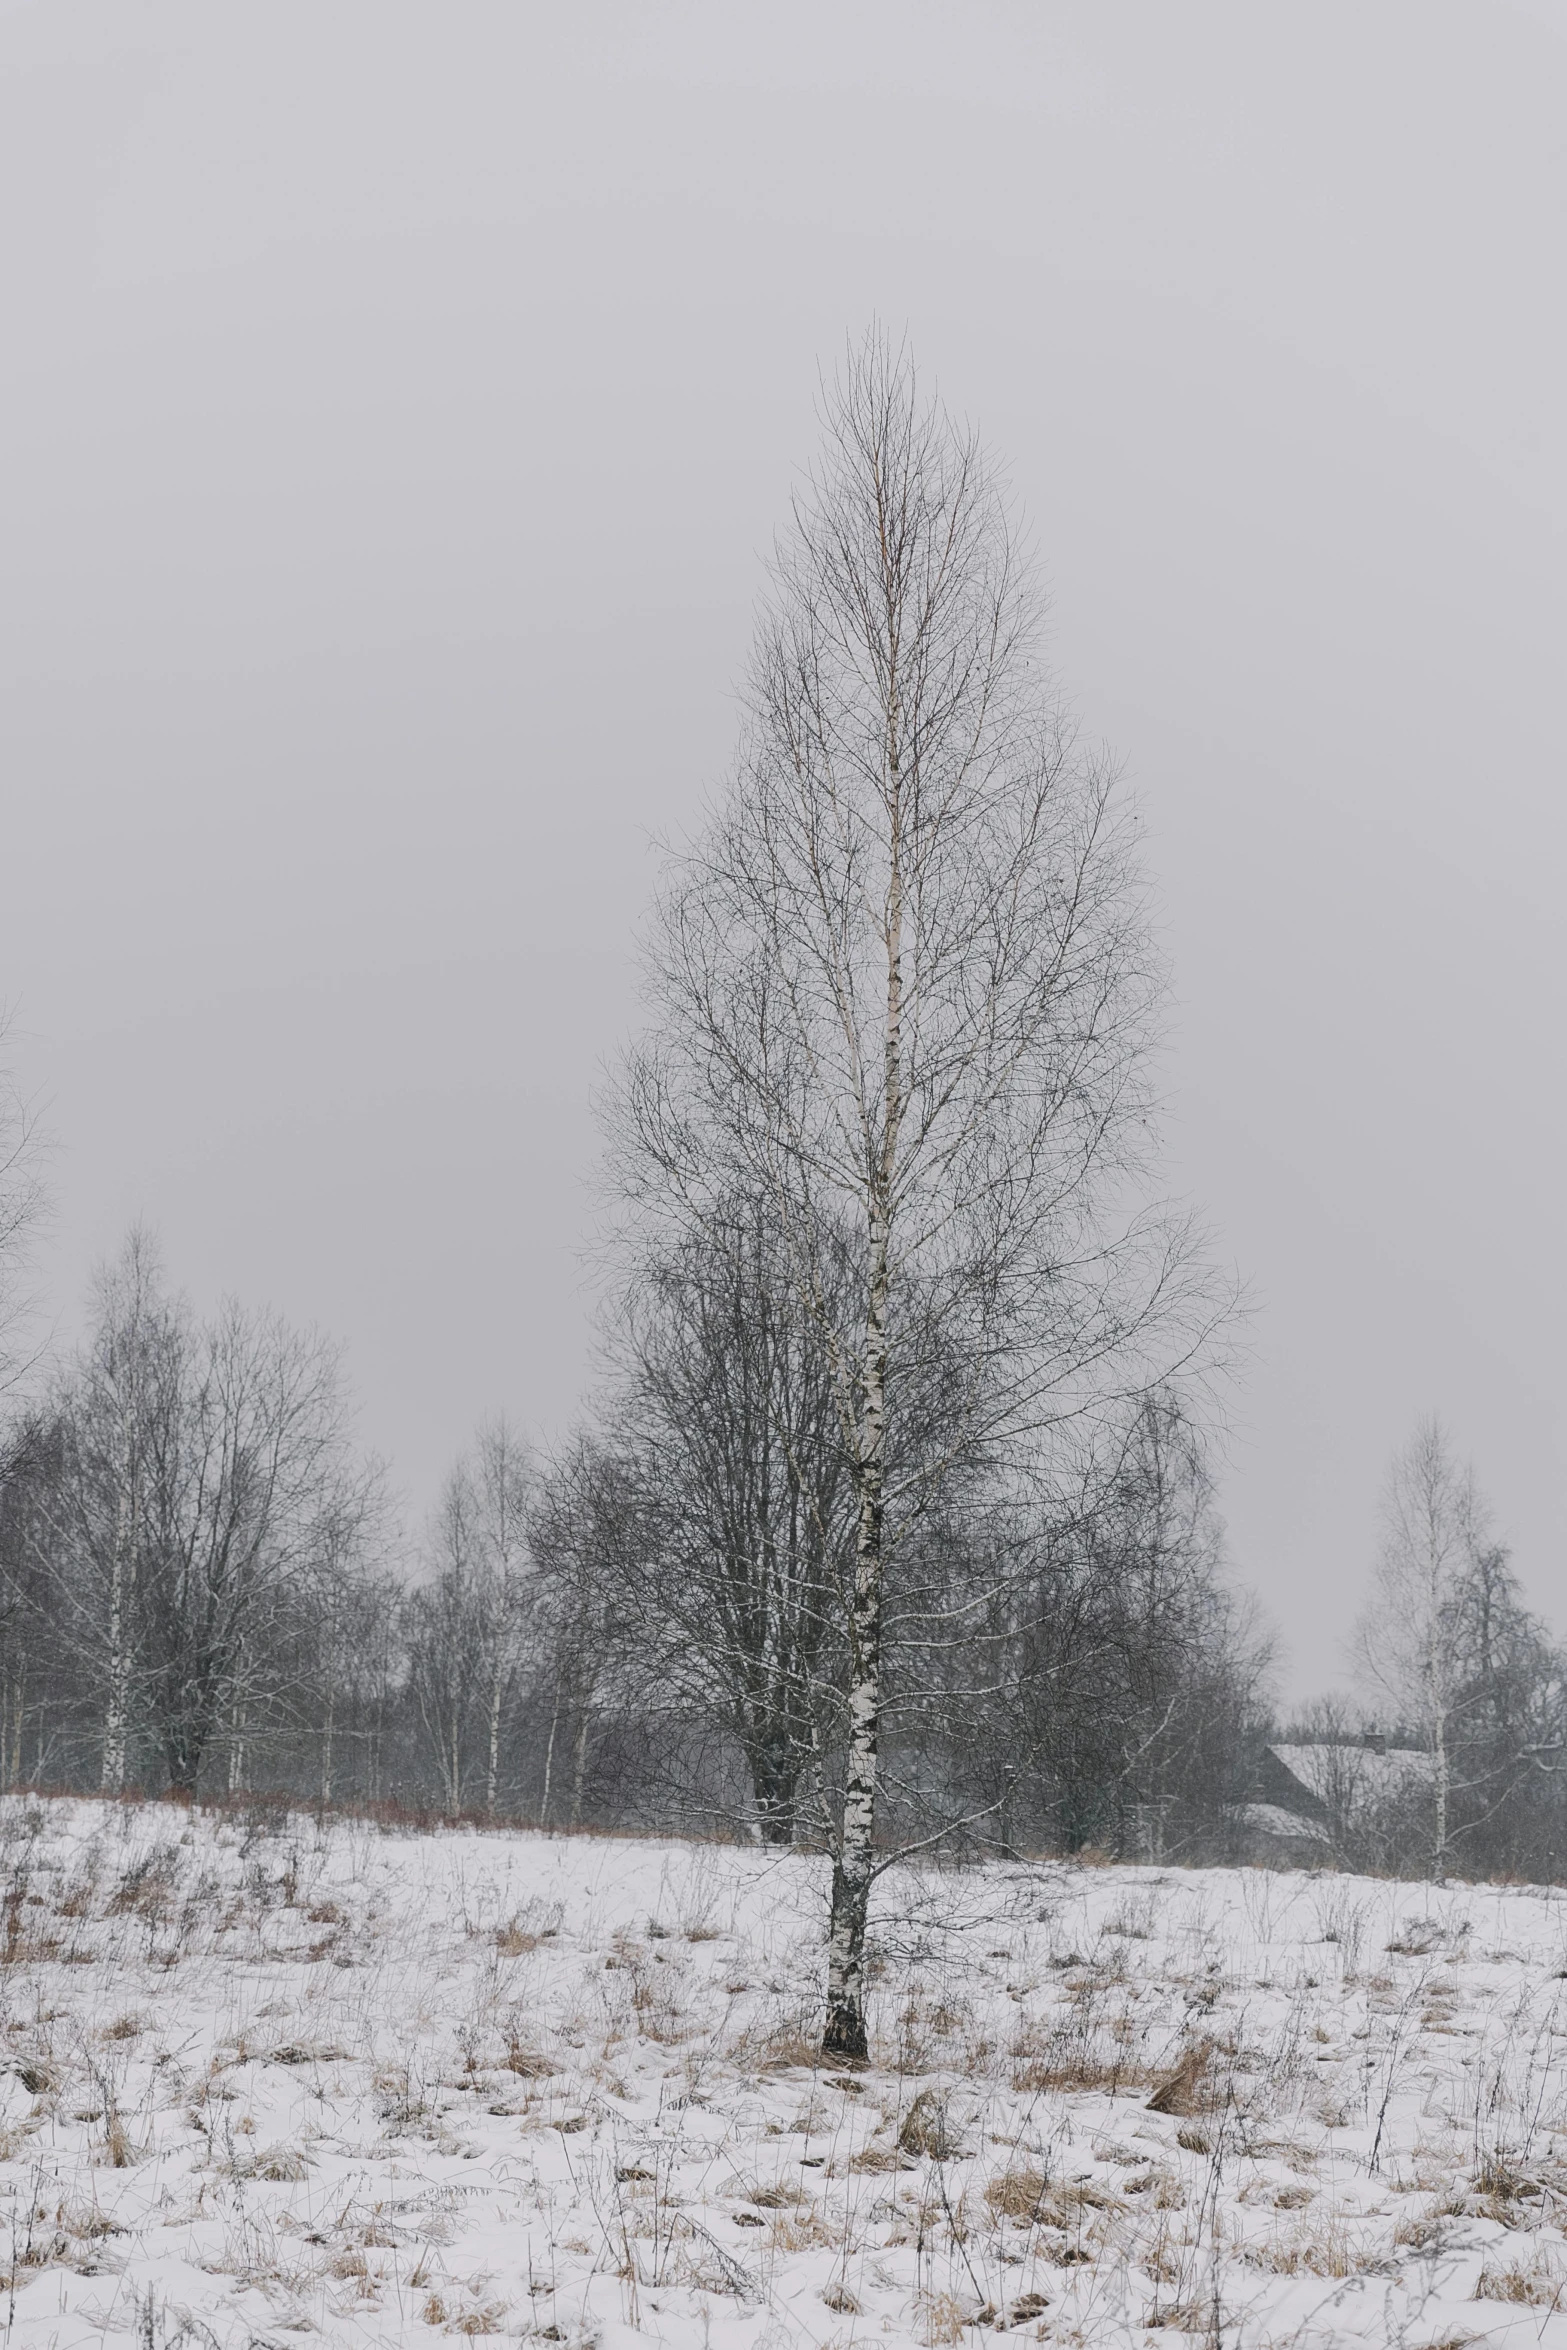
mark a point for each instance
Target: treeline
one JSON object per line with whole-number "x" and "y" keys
{"x": 203, "y": 1588}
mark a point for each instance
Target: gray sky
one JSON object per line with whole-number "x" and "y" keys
{"x": 397, "y": 401}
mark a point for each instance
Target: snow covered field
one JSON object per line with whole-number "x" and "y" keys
{"x": 263, "y": 2083}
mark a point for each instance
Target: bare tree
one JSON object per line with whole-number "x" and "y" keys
{"x": 1509, "y": 1723}
{"x": 347, "y": 1603}
{"x": 247, "y": 1464}
{"x": 728, "y": 1424}
{"x": 22, "y": 1202}
{"x": 1117, "y": 1682}
{"x": 30, "y": 1463}
{"x": 23, "y": 1442}
{"x": 446, "y": 1638}
{"x": 122, "y": 1406}
{"x": 199, "y": 1462}
{"x": 468, "y": 1620}
{"x": 1409, "y": 1642}
{"x": 903, "y": 992}
{"x": 502, "y": 1483}
{"x": 590, "y": 1515}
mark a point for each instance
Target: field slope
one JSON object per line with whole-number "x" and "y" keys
{"x": 269, "y": 2082}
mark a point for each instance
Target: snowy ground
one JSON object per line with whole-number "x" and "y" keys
{"x": 261, "y": 2082}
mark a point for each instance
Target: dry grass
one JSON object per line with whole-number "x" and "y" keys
{"x": 942, "y": 2320}
{"x": 1017, "y": 2193}
{"x": 487, "y": 2317}
{"x": 799, "y": 2231}
{"x": 925, "y": 2129}
{"x": 1538, "y": 2283}
{"x": 1080, "y": 2075}
{"x": 528, "y": 2064}
{"x": 279, "y": 2164}
{"x": 1332, "y": 2248}
{"x": 1186, "y": 2089}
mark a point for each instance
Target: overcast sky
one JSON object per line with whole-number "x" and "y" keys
{"x": 396, "y": 404}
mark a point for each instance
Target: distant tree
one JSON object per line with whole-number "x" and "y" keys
{"x": 726, "y": 1420}
{"x": 200, "y": 1464}
{"x": 1409, "y": 1642}
{"x": 1508, "y": 1723}
{"x": 589, "y": 1519}
{"x": 1135, "y": 1676}
{"x": 468, "y": 1619}
{"x": 121, "y": 1408}
{"x": 338, "y": 1633}
{"x": 30, "y": 1449}
{"x": 247, "y": 1469}
{"x": 903, "y": 992}
{"x": 445, "y": 1638}
{"x": 22, "y": 1441}
{"x": 503, "y": 1488}
{"x": 22, "y": 1202}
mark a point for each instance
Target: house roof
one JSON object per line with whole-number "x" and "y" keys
{"x": 1342, "y": 1774}
{"x": 1272, "y": 1819}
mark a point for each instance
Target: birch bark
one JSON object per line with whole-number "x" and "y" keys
{"x": 117, "y": 1676}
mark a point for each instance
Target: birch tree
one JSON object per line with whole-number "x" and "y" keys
{"x": 1410, "y": 1641}
{"x": 120, "y": 1409}
{"x": 502, "y": 1482}
{"x": 445, "y": 1635}
{"x": 902, "y": 990}
{"x": 467, "y": 1623}
{"x": 247, "y": 1464}
{"x": 349, "y": 1603}
{"x": 203, "y": 1469}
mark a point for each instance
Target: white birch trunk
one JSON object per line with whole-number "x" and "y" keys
{"x": 117, "y": 1694}
{"x": 579, "y": 1769}
{"x": 854, "y": 1863}
{"x": 549, "y": 1757}
{"x": 845, "y": 2034}
{"x": 326, "y": 1738}
{"x": 1440, "y": 1777}
{"x": 492, "y": 1772}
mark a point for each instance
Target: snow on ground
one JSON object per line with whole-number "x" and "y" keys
{"x": 264, "y": 2081}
